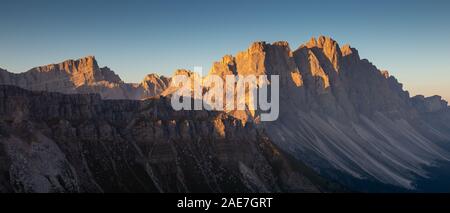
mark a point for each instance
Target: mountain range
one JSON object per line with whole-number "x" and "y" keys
{"x": 84, "y": 76}
{"x": 344, "y": 125}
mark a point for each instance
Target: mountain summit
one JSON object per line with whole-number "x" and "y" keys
{"x": 82, "y": 76}
{"x": 339, "y": 114}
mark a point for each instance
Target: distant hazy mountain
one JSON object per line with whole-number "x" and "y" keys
{"x": 339, "y": 115}
{"x": 84, "y": 76}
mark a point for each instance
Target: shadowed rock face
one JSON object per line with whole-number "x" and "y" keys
{"x": 338, "y": 111}
{"x": 50, "y": 142}
{"x": 338, "y": 114}
{"x": 429, "y": 104}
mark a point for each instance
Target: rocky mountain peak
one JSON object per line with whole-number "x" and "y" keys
{"x": 155, "y": 79}
{"x": 385, "y": 73}
{"x": 328, "y": 47}
{"x": 350, "y": 54}
{"x": 151, "y": 77}
{"x": 183, "y": 72}
{"x": 321, "y": 42}
{"x": 85, "y": 64}
{"x": 311, "y": 43}
{"x": 79, "y": 72}
{"x": 153, "y": 85}
{"x": 258, "y": 46}
{"x": 335, "y": 111}
{"x": 281, "y": 44}
{"x": 227, "y": 66}
{"x": 429, "y": 104}
{"x": 347, "y": 50}
{"x": 227, "y": 59}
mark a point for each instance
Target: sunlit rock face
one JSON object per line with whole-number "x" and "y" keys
{"x": 340, "y": 112}
{"x": 84, "y": 76}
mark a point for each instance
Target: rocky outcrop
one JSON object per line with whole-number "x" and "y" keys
{"x": 429, "y": 104}
{"x": 154, "y": 85}
{"x": 84, "y": 76}
{"x": 339, "y": 113}
{"x": 50, "y": 142}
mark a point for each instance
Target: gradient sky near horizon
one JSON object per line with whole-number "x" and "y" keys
{"x": 411, "y": 39}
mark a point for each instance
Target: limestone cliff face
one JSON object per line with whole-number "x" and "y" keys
{"x": 340, "y": 113}
{"x": 83, "y": 76}
{"x": 82, "y": 71}
{"x": 322, "y": 76}
{"x": 50, "y": 142}
{"x": 63, "y": 77}
{"x": 154, "y": 85}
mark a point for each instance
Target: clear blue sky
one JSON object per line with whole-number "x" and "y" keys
{"x": 411, "y": 39}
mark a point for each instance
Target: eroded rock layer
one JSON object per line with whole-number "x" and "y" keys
{"x": 50, "y": 142}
